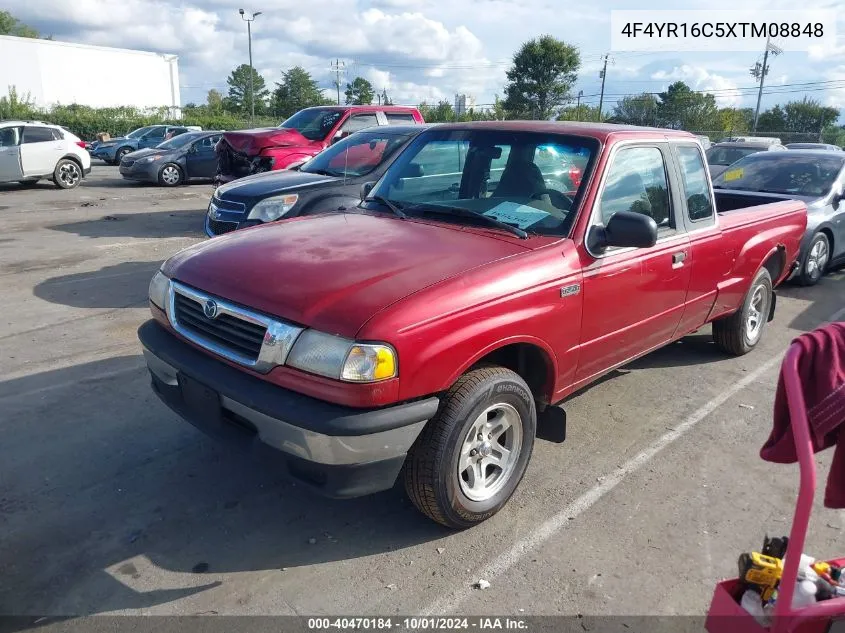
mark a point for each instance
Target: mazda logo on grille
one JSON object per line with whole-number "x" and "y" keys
{"x": 210, "y": 309}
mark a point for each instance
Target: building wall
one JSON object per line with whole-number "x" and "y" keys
{"x": 65, "y": 73}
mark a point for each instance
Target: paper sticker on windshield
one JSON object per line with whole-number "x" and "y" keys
{"x": 517, "y": 214}
{"x": 733, "y": 174}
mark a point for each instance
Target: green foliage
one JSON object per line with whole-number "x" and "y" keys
{"x": 238, "y": 100}
{"x": 296, "y": 91}
{"x": 581, "y": 112}
{"x": 443, "y": 112}
{"x": 682, "y": 109}
{"x": 15, "y": 106}
{"x": 87, "y": 122}
{"x": 10, "y": 25}
{"x": 359, "y": 92}
{"x": 214, "y": 101}
{"x": 736, "y": 120}
{"x": 543, "y": 72}
{"x": 636, "y": 110}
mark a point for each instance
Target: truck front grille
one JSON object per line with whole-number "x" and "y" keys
{"x": 233, "y": 334}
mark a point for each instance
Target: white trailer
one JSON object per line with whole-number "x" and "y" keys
{"x": 65, "y": 73}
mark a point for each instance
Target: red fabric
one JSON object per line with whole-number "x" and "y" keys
{"x": 821, "y": 368}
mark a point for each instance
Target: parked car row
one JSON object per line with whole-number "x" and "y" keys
{"x": 486, "y": 272}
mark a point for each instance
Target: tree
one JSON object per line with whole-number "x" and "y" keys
{"x": 735, "y": 120}
{"x": 296, "y": 91}
{"x": 808, "y": 116}
{"x": 681, "y": 108}
{"x": 582, "y": 112}
{"x": 214, "y": 101}
{"x": 772, "y": 120}
{"x": 239, "y": 96}
{"x": 10, "y": 25}
{"x": 15, "y": 106}
{"x": 441, "y": 113}
{"x": 543, "y": 72}
{"x": 359, "y": 92}
{"x": 636, "y": 110}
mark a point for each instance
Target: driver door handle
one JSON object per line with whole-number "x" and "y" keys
{"x": 678, "y": 259}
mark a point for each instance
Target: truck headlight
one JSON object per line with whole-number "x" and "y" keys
{"x": 273, "y": 208}
{"x": 342, "y": 359}
{"x": 159, "y": 289}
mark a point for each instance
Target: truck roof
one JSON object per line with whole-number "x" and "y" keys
{"x": 600, "y": 131}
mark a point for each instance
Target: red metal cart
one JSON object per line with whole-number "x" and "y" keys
{"x": 726, "y": 615}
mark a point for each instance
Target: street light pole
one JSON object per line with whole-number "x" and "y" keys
{"x": 249, "y": 21}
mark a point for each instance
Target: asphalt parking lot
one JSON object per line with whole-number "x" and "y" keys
{"x": 110, "y": 504}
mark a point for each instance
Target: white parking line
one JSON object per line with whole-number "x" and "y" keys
{"x": 448, "y": 603}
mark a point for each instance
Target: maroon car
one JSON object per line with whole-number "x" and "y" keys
{"x": 301, "y": 137}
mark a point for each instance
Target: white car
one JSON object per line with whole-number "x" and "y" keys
{"x": 31, "y": 151}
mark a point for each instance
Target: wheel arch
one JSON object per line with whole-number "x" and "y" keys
{"x": 532, "y": 359}
{"x": 76, "y": 160}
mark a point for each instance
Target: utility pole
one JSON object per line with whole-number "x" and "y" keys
{"x": 249, "y": 21}
{"x": 578, "y": 107}
{"x": 603, "y": 75}
{"x": 760, "y": 71}
{"x": 337, "y": 67}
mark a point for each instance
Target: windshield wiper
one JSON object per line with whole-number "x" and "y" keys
{"x": 390, "y": 205}
{"x": 322, "y": 172}
{"x": 469, "y": 213}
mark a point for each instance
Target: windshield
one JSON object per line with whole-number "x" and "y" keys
{"x": 529, "y": 180}
{"x": 783, "y": 172}
{"x": 139, "y": 132}
{"x": 729, "y": 155}
{"x": 356, "y": 155}
{"x": 178, "y": 141}
{"x": 313, "y": 123}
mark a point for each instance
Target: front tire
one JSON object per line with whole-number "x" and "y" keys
{"x": 471, "y": 456}
{"x": 118, "y": 156}
{"x": 739, "y": 333}
{"x": 67, "y": 174}
{"x": 815, "y": 260}
{"x": 170, "y": 175}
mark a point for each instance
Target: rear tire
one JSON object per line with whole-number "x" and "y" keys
{"x": 170, "y": 175}
{"x": 739, "y": 333}
{"x": 815, "y": 260}
{"x": 68, "y": 174}
{"x": 471, "y": 456}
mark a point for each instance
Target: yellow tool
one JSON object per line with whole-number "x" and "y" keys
{"x": 764, "y": 572}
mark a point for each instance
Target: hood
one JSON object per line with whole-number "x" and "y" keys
{"x": 333, "y": 272}
{"x": 814, "y": 203}
{"x": 149, "y": 151}
{"x": 270, "y": 183}
{"x": 251, "y": 142}
{"x": 715, "y": 170}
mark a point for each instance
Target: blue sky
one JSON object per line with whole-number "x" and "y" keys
{"x": 429, "y": 49}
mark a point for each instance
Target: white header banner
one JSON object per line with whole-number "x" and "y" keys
{"x": 720, "y": 31}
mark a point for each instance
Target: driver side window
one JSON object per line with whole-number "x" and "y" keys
{"x": 156, "y": 134}
{"x": 636, "y": 182}
{"x": 358, "y": 122}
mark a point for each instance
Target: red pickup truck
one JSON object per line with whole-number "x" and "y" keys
{"x": 301, "y": 137}
{"x": 421, "y": 334}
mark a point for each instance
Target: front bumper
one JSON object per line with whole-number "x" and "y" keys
{"x": 339, "y": 451}
{"x": 147, "y": 172}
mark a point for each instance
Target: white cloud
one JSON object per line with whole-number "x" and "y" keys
{"x": 699, "y": 78}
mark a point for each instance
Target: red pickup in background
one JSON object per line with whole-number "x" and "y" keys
{"x": 422, "y": 334}
{"x": 301, "y": 137}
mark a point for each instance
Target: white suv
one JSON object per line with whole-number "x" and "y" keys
{"x": 31, "y": 151}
